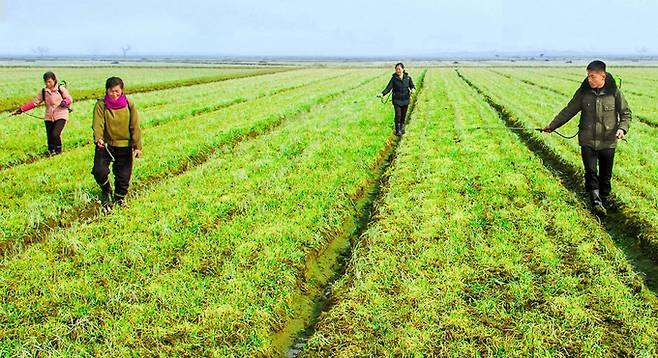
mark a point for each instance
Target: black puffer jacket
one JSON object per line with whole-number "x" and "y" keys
{"x": 400, "y": 87}
{"x": 602, "y": 113}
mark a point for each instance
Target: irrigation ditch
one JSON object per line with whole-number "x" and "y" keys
{"x": 326, "y": 267}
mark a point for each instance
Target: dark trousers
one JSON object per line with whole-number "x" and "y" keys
{"x": 122, "y": 169}
{"x": 598, "y": 179}
{"x": 400, "y": 114}
{"x": 54, "y": 135}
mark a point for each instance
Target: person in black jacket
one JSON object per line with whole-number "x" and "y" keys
{"x": 402, "y": 85}
{"x": 604, "y": 118}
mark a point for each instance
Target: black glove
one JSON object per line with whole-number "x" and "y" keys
{"x": 17, "y": 112}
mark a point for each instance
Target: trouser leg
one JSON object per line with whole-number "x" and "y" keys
{"x": 593, "y": 182}
{"x": 590, "y": 160}
{"x": 606, "y": 160}
{"x": 398, "y": 119}
{"x": 49, "y": 138}
{"x": 56, "y": 135}
{"x": 122, "y": 169}
{"x": 101, "y": 169}
{"x": 403, "y": 115}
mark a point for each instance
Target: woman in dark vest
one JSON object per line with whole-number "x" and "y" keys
{"x": 604, "y": 118}
{"x": 401, "y": 85}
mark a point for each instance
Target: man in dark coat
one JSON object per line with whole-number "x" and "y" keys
{"x": 604, "y": 118}
{"x": 401, "y": 84}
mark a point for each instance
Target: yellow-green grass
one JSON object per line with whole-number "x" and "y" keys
{"x": 58, "y": 190}
{"x": 21, "y": 84}
{"x": 478, "y": 250}
{"x": 23, "y": 139}
{"x": 642, "y": 97}
{"x": 208, "y": 262}
{"x": 635, "y": 175}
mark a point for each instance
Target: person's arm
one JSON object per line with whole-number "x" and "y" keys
{"x": 411, "y": 84}
{"x": 31, "y": 104}
{"x": 624, "y": 114}
{"x": 573, "y": 107}
{"x": 135, "y": 130}
{"x": 98, "y": 124}
{"x": 389, "y": 88}
{"x": 66, "y": 97}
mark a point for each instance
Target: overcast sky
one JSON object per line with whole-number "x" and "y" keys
{"x": 329, "y": 28}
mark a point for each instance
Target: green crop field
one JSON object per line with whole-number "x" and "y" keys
{"x": 275, "y": 213}
{"x": 20, "y": 84}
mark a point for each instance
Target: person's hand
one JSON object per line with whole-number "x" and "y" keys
{"x": 620, "y": 134}
{"x": 379, "y": 95}
{"x": 100, "y": 144}
{"x": 63, "y": 104}
{"x": 17, "y": 112}
{"x": 413, "y": 90}
{"x": 138, "y": 153}
{"x": 547, "y": 129}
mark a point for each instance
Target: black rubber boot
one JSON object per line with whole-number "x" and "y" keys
{"x": 604, "y": 200}
{"x": 119, "y": 199}
{"x": 597, "y": 203}
{"x": 398, "y": 129}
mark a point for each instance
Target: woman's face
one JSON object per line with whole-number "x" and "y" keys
{"x": 115, "y": 92}
{"x": 50, "y": 83}
{"x": 399, "y": 70}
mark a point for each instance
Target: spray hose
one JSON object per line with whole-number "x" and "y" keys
{"x": 528, "y": 129}
{"x": 385, "y": 99}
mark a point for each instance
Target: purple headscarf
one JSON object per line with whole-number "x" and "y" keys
{"x": 118, "y": 103}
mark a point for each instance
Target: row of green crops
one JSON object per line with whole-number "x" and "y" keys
{"x": 22, "y": 139}
{"x": 20, "y": 84}
{"x": 212, "y": 261}
{"x": 55, "y": 191}
{"x": 636, "y": 162}
{"x": 640, "y": 97}
{"x": 639, "y": 78}
{"x": 477, "y": 250}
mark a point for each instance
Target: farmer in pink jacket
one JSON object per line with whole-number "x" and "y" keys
{"x": 58, "y": 101}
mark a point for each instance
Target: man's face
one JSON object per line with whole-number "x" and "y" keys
{"x": 596, "y": 79}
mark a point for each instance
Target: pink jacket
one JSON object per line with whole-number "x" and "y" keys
{"x": 53, "y": 100}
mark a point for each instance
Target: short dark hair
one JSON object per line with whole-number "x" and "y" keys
{"x": 399, "y": 64}
{"x": 596, "y": 65}
{"x": 113, "y": 82}
{"x": 49, "y": 76}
